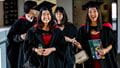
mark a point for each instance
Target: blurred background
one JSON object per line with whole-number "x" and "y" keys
{"x": 10, "y": 10}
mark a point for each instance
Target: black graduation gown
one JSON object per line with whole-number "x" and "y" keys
{"x": 70, "y": 31}
{"x": 107, "y": 38}
{"x": 15, "y": 43}
{"x": 54, "y": 60}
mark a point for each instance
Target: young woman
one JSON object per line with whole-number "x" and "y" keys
{"x": 69, "y": 31}
{"x": 95, "y": 29}
{"x": 44, "y": 46}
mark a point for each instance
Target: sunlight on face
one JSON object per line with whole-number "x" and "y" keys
{"x": 59, "y": 16}
{"x": 93, "y": 14}
{"x": 46, "y": 16}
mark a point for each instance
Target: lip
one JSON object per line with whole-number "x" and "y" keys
{"x": 93, "y": 17}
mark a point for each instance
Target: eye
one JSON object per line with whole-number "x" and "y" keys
{"x": 95, "y": 11}
{"x": 43, "y": 14}
{"x": 48, "y": 14}
{"x": 90, "y": 12}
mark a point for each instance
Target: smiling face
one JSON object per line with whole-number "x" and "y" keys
{"x": 59, "y": 16}
{"x": 93, "y": 14}
{"x": 46, "y": 16}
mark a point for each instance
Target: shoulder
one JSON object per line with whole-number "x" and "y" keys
{"x": 107, "y": 24}
{"x": 56, "y": 30}
{"x": 33, "y": 29}
{"x": 18, "y": 22}
{"x": 55, "y": 26}
{"x": 70, "y": 25}
{"x": 82, "y": 26}
{"x": 22, "y": 18}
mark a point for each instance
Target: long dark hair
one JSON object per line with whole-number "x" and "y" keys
{"x": 61, "y": 9}
{"x": 99, "y": 21}
{"x": 40, "y": 23}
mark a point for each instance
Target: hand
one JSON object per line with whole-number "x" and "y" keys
{"x": 39, "y": 51}
{"x": 23, "y": 36}
{"x": 48, "y": 51}
{"x": 103, "y": 52}
{"x": 73, "y": 40}
{"x": 68, "y": 39}
{"x": 93, "y": 32}
{"x": 77, "y": 44}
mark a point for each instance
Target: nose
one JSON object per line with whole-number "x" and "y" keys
{"x": 92, "y": 14}
{"x": 46, "y": 16}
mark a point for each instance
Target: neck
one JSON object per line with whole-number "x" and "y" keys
{"x": 59, "y": 24}
{"x": 61, "y": 27}
{"x": 46, "y": 27}
{"x": 93, "y": 24}
{"x": 59, "y": 21}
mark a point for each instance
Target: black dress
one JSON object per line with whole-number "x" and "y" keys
{"x": 107, "y": 38}
{"x": 15, "y": 43}
{"x": 34, "y": 40}
{"x": 70, "y": 31}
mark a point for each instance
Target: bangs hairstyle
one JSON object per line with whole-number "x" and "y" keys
{"x": 40, "y": 23}
{"x": 61, "y": 10}
{"x": 99, "y": 20}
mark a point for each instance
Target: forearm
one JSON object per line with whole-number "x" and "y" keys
{"x": 109, "y": 48}
{"x": 68, "y": 39}
{"x": 53, "y": 49}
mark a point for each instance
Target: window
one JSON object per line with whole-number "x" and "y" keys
{"x": 10, "y": 12}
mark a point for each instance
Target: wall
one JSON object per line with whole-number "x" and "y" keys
{"x": 79, "y": 15}
{"x": 68, "y": 6}
{"x": 20, "y": 11}
{"x": 1, "y": 13}
{"x": 20, "y": 7}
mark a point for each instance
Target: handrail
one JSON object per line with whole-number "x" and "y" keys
{"x": 3, "y": 41}
{"x": 4, "y": 29}
{"x": 3, "y": 38}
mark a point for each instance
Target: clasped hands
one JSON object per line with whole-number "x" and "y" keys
{"x": 44, "y": 51}
{"x": 103, "y": 51}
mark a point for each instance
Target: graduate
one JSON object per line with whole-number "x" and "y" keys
{"x": 17, "y": 33}
{"x": 70, "y": 32}
{"x": 95, "y": 29}
{"x": 44, "y": 45}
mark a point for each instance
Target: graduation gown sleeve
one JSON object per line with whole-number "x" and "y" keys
{"x": 108, "y": 38}
{"x": 14, "y": 32}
